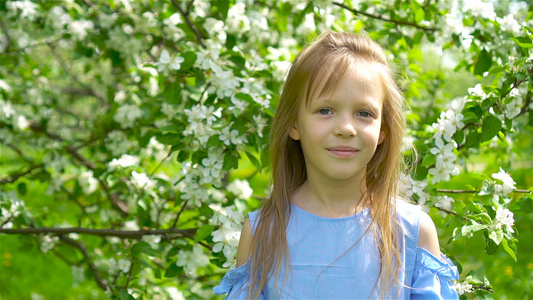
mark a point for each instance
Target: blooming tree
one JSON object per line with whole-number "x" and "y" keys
{"x": 134, "y": 134}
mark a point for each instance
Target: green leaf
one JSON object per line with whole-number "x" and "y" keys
{"x": 509, "y": 248}
{"x": 472, "y": 139}
{"x": 491, "y": 127}
{"x": 143, "y": 247}
{"x": 173, "y": 270}
{"x": 470, "y": 117}
{"x": 231, "y": 161}
{"x": 469, "y": 229}
{"x": 203, "y": 232}
{"x": 169, "y": 139}
{"x": 22, "y": 188}
{"x": 526, "y": 204}
{"x": 483, "y": 63}
{"x": 420, "y": 15}
{"x": 496, "y": 236}
{"x": 189, "y": 60}
{"x": 491, "y": 247}
{"x": 459, "y": 136}
{"x": 429, "y": 160}
{"x": 523, "y": 42}
{"x": 481, "y": 217}
{"x": 223, "y": 7}
{"x": 172, "y": 92}
{"x": 254, "y": 160}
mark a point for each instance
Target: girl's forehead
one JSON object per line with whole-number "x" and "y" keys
{"x": 360, "y": 76}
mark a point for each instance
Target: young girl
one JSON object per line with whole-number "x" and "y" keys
{"x": 333, "y": 226}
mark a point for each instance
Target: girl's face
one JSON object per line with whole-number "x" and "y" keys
{"x": 339, "y": 133}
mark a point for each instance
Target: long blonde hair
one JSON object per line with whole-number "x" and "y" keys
{"x": 316, "y": 71}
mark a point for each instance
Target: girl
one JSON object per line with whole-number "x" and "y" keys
{"x": 333, "y": 227}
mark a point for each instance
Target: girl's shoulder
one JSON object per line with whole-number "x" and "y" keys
{"x": 408, "y": 216}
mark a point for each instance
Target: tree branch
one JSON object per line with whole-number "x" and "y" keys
{"x": 185, "y": 15}
{"x": 14, "y": 177}
{"x": 377, "y": 17}
{"x": 476, "y": 191}
{"x": 124, "y": 234}
{"x": 92, "y": 266}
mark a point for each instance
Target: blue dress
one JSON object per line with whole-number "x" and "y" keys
{"x": 325, "y": 264}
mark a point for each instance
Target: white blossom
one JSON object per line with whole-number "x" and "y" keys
{"x": 192, "y": 260}
{"x": 508, "y": 23}
{"x": 126, "y": 115}
{"x": 504, "y": 217}
{"x": 507, "y": 186}
{"x": 174, "y": 293}
{"x": 124, "y": 161}
{"x": 80, "y": 28}
{"x": 59, "y": 17}
{"x": 226, "y": 237}
{"x": 27, "y": 9}
{"x": 207, "y": 58}
{"x": 124, "y": 265}
{"x": 240, "y": 188}
{"x": 462, "y": 287}
{"x": 223, "y": 82}
{"x": 6, "y": 109}
{"x": 231, "y": 137}
{"x": 118, "y": 143}
{"x": 212, "y": 171}
{"x": 88, "y": 182}
{"x": 141, "y": 180}
{"x": 166, "y": 63}
{"x": 514, "y": 106}
{"x": 238, "y": 105}
{"x": 478, "y": 91}
{"x": 201, "y": 119}
{"x": 260, "y": 124}
{"x": 281, "y": 69}
{"x": 308, "y": 25}
{"x": 237, "y": 21}
{"x": 446, "y": 203}
{"x": 215, "y": 28}
{"x": 479, "y": 8}
{"x": 48, "y": 242}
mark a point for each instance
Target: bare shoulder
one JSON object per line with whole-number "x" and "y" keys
{"x": 428, "y": 238}
{"x": 244, "y": 243}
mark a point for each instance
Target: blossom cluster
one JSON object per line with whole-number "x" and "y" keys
{"x": 229, "y": 221}
{"x": 448, "y": 123}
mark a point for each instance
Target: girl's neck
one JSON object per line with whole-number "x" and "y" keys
{"x": 331, "y": 199}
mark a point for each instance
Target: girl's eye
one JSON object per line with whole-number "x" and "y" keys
{"x": 324, "y": 111}
{"x": 365, "y": 114}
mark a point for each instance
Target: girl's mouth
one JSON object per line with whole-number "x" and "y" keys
{"x": 343, "y": 151}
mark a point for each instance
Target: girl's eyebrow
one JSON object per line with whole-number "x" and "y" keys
{"x": 369, "y": 104}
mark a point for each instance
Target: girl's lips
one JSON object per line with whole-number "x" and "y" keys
{"x": 343, "y": 152}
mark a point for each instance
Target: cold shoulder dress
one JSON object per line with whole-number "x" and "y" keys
{"x": 325, "y": 264}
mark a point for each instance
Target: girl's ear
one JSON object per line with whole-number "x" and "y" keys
{"x": 293, "y": 132}
{"x": 381, "y": 137}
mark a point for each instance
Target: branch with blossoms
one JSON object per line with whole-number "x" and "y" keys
{"x": 185, "y": 15}
{"x": 388, "y": 20}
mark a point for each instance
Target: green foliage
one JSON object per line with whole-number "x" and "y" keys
{"x": 134, "y": 135}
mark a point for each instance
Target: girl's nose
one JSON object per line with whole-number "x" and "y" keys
{"x": 346, "y": 127}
